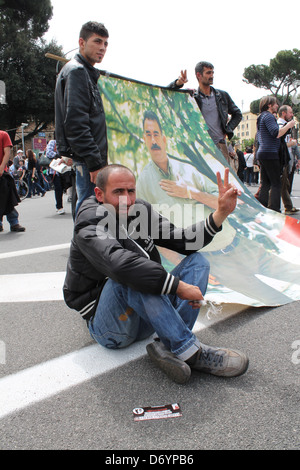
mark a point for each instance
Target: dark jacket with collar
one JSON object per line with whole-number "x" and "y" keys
{"x": 103, "y": 248}
{"x": 9, "y": 197}
{"x": 80, "y": 127}
{"x": 225, "y": 105}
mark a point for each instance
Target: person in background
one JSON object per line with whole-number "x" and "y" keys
{"x": 22, "y": 169}
{"x": 268, "y": 135}
{"x": 33, "y": 178}
{"x": 51, "y": 153}
{"x": 220, "y": 112}
{"x": 242, "y": 164}
{"x": 286, "y": 114}
{"x": 8, "y": 198}
{"x": 249, "y": 159}
{"x": 16, "y": 159}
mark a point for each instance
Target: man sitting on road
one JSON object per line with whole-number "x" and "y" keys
{"x": 116, "y": 281}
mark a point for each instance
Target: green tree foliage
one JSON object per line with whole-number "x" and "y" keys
{"x": 29, "y": 76}
{"x": 30, "y": 15}
{"x": 280, "y": 78}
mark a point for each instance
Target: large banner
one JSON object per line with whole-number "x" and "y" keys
{"x": 160, "y": 134}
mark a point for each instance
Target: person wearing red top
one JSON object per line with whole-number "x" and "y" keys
{"x": 5, "y": 149}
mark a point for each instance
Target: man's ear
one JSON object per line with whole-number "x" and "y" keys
{"x": 99, "y": 193}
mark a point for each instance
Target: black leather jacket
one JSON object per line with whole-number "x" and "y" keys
{"x": 101, "y": 248}
{"x": 80, "y": 127}
{"x": 225, "y": 105}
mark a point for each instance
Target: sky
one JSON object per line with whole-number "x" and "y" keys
{"x": 153, "y": 41}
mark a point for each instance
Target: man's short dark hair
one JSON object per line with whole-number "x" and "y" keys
{"x": 102, "y": 177}
{"x": 151, "y": 116}
{"x": 201, "y": 65}
{"x": 92, "y": 27}
{"x": 283, "y": 109}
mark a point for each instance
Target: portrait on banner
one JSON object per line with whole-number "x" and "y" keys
{"x": 162, "y": 137}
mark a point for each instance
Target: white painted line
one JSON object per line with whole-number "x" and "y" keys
{"x": 32, "y": 251}
{"x": 32, "y": 287}
{"x": 40, "y": 382}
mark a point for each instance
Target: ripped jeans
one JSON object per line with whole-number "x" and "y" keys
{"x": 124, "y": 315}
{"x": 84, "y": 186}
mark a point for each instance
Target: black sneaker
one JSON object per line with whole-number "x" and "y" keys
{"x": 17, "y": 228}
{"x": 177, "y": 370}
{"x": 219, "y": 361}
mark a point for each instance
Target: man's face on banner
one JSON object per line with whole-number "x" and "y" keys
{"x": 155, "y": 140}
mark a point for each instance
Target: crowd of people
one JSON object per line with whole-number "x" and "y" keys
{"x": 274, "y": 157}
{"x": 27, "y": 168}
{"x": 30, "y": 177}
{"x": 40, "y": 177}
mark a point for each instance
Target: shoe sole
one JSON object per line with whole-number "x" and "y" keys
{"x": 176, "y": 370}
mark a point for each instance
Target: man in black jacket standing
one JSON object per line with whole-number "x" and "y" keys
{"x": 216, "y": 106}
{"x": 116, "y": 281}
{"x": 80, "y": 126}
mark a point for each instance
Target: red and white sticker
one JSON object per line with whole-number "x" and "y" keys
{"x": 157, "y": 412}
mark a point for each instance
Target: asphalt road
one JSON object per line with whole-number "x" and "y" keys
{"x": 59, "y": 390}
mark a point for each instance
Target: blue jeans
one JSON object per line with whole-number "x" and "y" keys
{"x": 124, "y": 315}
{"x": 12, "y": 218}
{"x": 34, "y": 186}
{"x": 84, "y": 186}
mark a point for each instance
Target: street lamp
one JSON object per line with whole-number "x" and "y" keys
{"x": 22, "y": 127}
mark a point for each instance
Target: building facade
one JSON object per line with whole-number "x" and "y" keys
{"x": 247, "y": 128}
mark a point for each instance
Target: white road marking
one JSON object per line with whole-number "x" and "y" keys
{"x": 40, "y": 382}
{"x": 37, "y": 383}
{"x": 32, "y": 287}
{"x": 32, "y": 251}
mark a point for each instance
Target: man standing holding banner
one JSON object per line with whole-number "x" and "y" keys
{"x": 80, "y": 126}
{"x": 215, "y": 106}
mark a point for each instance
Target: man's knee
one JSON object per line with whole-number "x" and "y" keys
{"x": 199, "y": 260}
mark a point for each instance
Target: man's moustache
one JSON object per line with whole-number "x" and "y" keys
{"x": 155, "y": 147}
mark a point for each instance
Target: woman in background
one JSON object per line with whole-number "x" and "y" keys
{"x": 32, "y": 174}
{"x": 268, "y": 134}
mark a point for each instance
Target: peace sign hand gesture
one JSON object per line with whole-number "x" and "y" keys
{"x": 227, "y": 199}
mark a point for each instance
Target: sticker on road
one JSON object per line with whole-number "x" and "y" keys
{"x": 157, "y": 412}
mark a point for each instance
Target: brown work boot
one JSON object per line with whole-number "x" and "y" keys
{"x": 17, "y": 228}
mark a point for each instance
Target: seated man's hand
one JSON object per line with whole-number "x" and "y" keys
{"x": 189, "y": 292}
{"x": 227, "y": 199}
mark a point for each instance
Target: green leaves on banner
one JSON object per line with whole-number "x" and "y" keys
{"x": 125, "y": 103}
